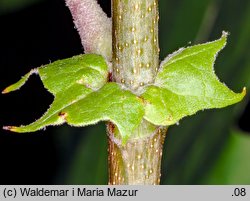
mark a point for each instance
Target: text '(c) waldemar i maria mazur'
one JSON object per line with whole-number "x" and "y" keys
{"x": 77, "y": 192}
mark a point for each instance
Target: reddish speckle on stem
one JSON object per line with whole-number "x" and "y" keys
{"x": 111, "y": 127}
{"x": 110, "y": 77}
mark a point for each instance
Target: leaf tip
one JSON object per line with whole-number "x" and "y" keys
{"x": 20, "y": 83}
{"x": 223, "y": 38}
{"x": 244, "y": 91}
{"x": 6, "y": 90}
{"x": 10, "y": 128}
{"x": 225, "y": 34}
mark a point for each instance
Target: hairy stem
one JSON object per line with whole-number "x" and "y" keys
{"x": 139, "y": 160}
{"x": 135, "y": 42}
{"x": 93, "y": 25}
{"x": 135, "y": 63}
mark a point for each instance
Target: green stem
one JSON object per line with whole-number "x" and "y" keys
{"x": 135, "y": 42}
{"x": 135, "y": 63}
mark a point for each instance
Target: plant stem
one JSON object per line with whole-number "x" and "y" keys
{"x": 135, "y": 42}
{"x": 135, "y": 63}
{"x": 138, "y": 161}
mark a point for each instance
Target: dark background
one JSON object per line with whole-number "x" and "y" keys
{"x": 212, "y": 147}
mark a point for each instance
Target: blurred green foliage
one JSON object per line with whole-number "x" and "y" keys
{"x": 233, "y": 164}
{"x": 203, "y": 149}
{"x": 89, "y": 164}
{"x": 7, "y": 6}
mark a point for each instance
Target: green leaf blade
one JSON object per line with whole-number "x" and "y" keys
{"x": 83, "y": 96}
{"x": 109, "y": 103}
{"x": 88, "y": 69}
{"x": 54, "y": 115}
{"x": 69, "y": 80}
{"x": 164, "y": 107}
{"x": 186, "y": 84}
{"x": 198, "y": 58}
